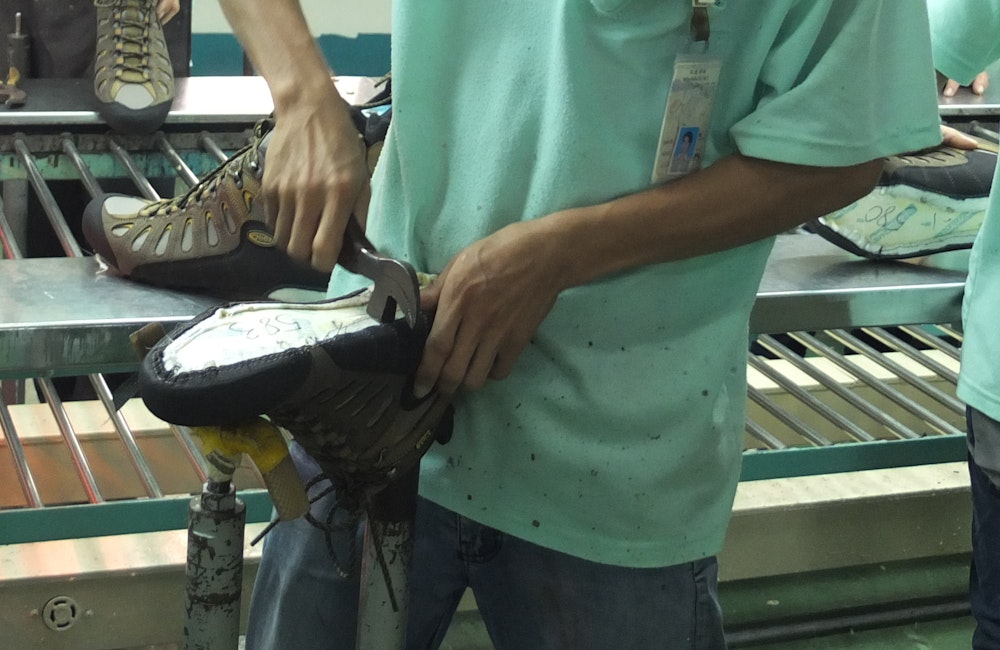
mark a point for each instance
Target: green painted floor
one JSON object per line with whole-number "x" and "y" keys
{"x": 913, "y": 605}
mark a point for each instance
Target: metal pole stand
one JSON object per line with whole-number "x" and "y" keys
{"x": 217, "y": 518}
{"x": 216, "y": 524}
{"x": 385, "y": 565}
{"x": 216, "y": 521}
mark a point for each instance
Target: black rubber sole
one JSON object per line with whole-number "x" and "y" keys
{"x": 239, "y": 392}
{"x": 134, "y": 121}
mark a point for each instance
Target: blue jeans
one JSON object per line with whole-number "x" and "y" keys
{"x": 529, "y": 597}
{"x": 984, "y": 575}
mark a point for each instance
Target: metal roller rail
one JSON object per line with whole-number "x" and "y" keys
{"x": 88, "y": 157}
{"x": 185, "y": 173}
{"x": 898, "y": 370}
{"x": 24, "y": 476}
{"x": 48, "y": 201}
{"x": 141, "y": 182}
{"x": 816, "y": 405}
{"x": 862, "y": 406}
{"x": 883, "y": 337}
{"x": 68, "y": 432}
{"x": 848, "y": 364}
{"x": 937, "y": 343}
{"x": 758, "y": 432}
{"x": 797, "y": 424}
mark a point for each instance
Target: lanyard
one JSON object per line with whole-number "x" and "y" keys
{"x": 699, "y": 20}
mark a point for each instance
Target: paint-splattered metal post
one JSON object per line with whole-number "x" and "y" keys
{"x": 216, "y": 521}
{"x": 385, "y": 566}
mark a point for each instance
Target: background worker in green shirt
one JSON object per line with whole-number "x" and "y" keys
{"x": 965, "y": 40}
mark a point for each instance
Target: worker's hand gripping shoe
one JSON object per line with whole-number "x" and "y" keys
{"x": 212, "y": 239}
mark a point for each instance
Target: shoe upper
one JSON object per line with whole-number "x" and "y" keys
{"x": 212, "y": 238}
{"x": 133, "y": 75}
{"x": 948, "y": 171}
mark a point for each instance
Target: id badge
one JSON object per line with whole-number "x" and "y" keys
{"x": 686, "y": 117}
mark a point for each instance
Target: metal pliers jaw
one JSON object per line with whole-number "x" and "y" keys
{"x": 396, "y": 284}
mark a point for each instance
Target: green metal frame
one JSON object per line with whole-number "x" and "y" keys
{"x": 23, "y": 525}
{"x": 851, "y": 457}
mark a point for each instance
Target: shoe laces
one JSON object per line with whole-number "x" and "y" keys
{"x": 130, "y": 19}
{"x": 246, "y": 158}
{"x": 937, "y": 157}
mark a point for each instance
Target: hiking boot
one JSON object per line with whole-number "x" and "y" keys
{"x": 212, "y": 239}
{"x": 338, "y": 380}
{"x": 133, "y": 76}
{"x": 926, "y": 202}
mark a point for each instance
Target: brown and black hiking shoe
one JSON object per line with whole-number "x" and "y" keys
{"x": 212, "y": 239}
{"x": 133, "y": 76}
{"x": 339, "y": 381}
{"x": 924, "y": 203}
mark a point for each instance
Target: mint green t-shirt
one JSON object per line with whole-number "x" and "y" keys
{"x": 618, "y": 436}
{"x": 965, "y": 42}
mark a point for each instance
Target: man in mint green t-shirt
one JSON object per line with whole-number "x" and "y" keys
{"x": 591, "y": 321}
{"x": 965, "y": 40}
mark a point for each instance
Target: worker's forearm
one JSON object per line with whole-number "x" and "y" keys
{"x": 734, "y": 202}
{"x": 277, "y": 39}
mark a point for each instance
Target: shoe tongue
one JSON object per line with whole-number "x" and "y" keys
{"x": 133, "y": 57}
{"x": 132, "y": 76}
{"x": 133, "y": 16}
{"x": 133, "y": 29}
{"x": 135, "y": 34}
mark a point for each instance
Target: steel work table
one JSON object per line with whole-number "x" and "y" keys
{"x": 810, "y": 284}
{"x": 68, "y": 316}
{"x": 64, "y": 316}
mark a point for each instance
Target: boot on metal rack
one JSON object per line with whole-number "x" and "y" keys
{"x": 212, "y": 239}
{"x": 133, "y": 76}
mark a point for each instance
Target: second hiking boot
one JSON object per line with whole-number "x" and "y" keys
{"x": 925, "y": 202}
{"x": 213, "y": 239}
{"x": 133, "y": 76}
{"x": 338, "y": 380}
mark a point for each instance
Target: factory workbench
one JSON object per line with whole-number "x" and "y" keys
{"x": 66, "y": 316}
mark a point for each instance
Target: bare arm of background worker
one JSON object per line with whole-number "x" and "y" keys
{"x": 953, "y": 137}
{"x": 315, "y": 175}
{"x": 978, "y": 85}
{"x": 167, "y": 9}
